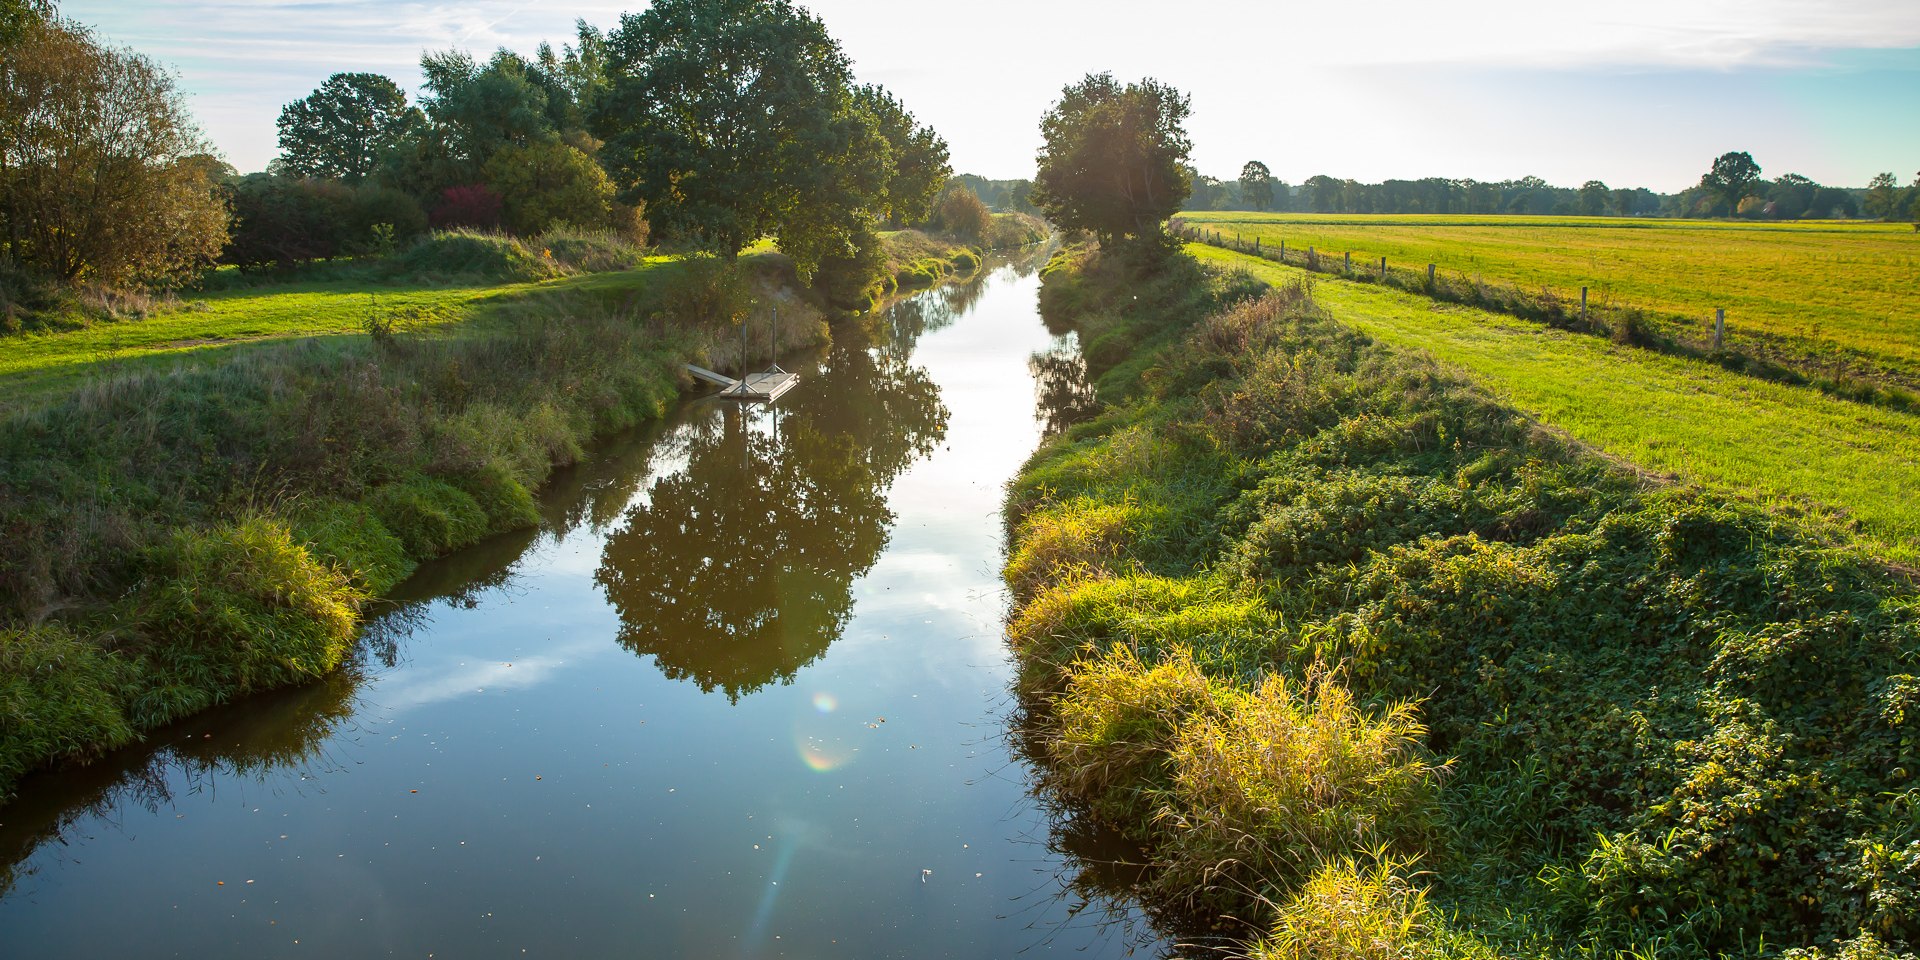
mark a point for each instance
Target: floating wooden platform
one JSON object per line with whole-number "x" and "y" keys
{"x": 756, "y": 388}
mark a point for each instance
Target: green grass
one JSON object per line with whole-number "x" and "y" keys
{"x": 1781, "y": 444}
{"x": 35, "y": 365}
{"x": 1841, "y": 286}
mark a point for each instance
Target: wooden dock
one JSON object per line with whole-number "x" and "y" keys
{"x": 756, "y": 388}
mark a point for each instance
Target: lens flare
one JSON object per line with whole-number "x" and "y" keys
{"x": 822, "y": 755}
{"x": 825, "y": 703}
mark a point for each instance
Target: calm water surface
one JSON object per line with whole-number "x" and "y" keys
{"x": 743, "y": 695}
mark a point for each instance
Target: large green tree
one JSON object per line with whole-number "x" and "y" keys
{"x": 341, "y": 129}
{"x": 1114, "y": 158}
{"x": 1256, "y": 185}
{"x": 736, "y": 119}
{"x": 1732, "y": 177}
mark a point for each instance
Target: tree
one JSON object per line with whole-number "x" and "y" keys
{"x": 1730, "y": 179}
{"x": 1594, "y": 198}
{"x": 735, "y": 119}
{"x": 1792, "y": 195}
{"x": 919, "y": 157}
{"x": 341, "y": 130}
{"x": 962, "y": 214}
{"x": 1882, "y": 197}
{"x": 1114, "y": 158}
{"x": 473, "y": 112}
{"x": 1256, "y": 185}
{"x": 103, "y": 174}
{"x": 16, "y": 16}
{"x": 548, "y": 183}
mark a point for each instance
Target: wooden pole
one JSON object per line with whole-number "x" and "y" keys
{"x": 1347, "y": 264}
{"x": 1383, "y": 269}
{"x": 1719, "y": 327}
{"x": 1583, "y": 304}
{"x": 1429, "y": 274}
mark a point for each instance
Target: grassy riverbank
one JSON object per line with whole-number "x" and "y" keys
{"x": 1374, "y": 665}
{"x": 179, "y": 534}
{"x": 1789, "y": 447}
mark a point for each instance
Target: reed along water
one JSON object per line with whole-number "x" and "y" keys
{"x": 744, "y": 694}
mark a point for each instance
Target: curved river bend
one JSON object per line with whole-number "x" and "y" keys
{"x": 743, "y": 695}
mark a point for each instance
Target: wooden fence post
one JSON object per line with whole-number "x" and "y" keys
{"x": 1313, "y": 259}
{"x": 1383, "y": 269}
{"x": 1283, "y": 250}
{"x": 1583, "y": 304}
{"x": 1429, "y": 274}
{"x": 1347, "y": 265}
{"x": 1719, "y": 327}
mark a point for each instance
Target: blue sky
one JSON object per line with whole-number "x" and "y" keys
{"x": 1633, "y": 92}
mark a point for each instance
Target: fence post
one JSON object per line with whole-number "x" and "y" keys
{"x": 1719, "y": 327}
{"x": 1283, "y": 250}
{"x": 1583, "y": 304}
{"x": 1347, "y": 265}
{"x": 1313, "y": 259}
{"x": 1383, "y": 269}
{"x": 1429, "y": 274}
{"x": 1256, "y": 245}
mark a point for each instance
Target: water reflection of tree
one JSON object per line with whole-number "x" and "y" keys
{"x": 737, "y": 569}
{"x": 1062, "y": 395}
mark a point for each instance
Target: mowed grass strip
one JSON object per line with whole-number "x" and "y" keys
{"x": 1783, "y": 445}
{"x": 1854, "y": 286}
{"x": 34, "y": 365}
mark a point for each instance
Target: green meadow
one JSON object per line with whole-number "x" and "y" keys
{"x": 39, "y": 364}
{"x": 1783, "y": 445}
{"x": 1847, "y": 286}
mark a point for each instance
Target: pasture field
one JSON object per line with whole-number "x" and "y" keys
{"x": 1784, "y": 445}
{"x": 34, "y": 365}
{"x": 1842, "y": 287}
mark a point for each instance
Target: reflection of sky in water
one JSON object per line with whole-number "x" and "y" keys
{"x": 581, "y": 802}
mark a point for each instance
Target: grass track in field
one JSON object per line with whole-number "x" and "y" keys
{"x": 1666, "y": 414}
{"x": 33, "y": 365}
{"x": 1853, "y": 285}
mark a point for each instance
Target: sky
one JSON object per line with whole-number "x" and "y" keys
{"x": 1636, "y": 93}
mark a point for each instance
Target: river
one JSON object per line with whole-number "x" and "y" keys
{"x": 744, "y": 694}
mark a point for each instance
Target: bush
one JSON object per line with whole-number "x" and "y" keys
{"x": 431, "y": 517}
{"x": 283, "y": 221}
{"x": 588, "y": 250}
{"x": 1286, "y": 776}
{"x": 242, "y": 607}
{"x": 351, "y": 538}
{"x": 544, "y": 184}
{"x": 60, "y": 697}
{"x": 1347, "y": 912}
{"x": 960, "y": 213}
{"x": 467, "y": 253}
{"x": 473, "y": 207}
{"x": 372, "y": 206}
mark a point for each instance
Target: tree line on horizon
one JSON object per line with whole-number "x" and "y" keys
{"x": 1732, "y": 187}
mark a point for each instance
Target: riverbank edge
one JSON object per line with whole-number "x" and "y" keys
{"x": 1235, "y": 550}
{"x": 269, "y": 592}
